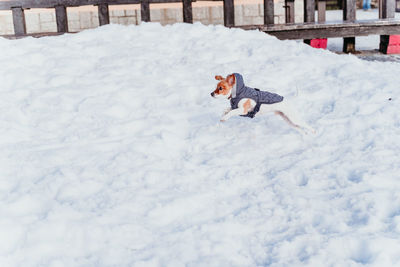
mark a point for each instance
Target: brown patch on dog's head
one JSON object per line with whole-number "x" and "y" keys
{"x": 224, "y": 87}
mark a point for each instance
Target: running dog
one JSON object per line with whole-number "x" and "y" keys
{"x": 249, "y": 102}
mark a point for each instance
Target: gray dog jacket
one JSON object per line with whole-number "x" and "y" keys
{"x": 240, "y": 91}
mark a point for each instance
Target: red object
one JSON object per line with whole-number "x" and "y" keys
{"x": 394, "y": 45}
{"x": 319, "y": 43}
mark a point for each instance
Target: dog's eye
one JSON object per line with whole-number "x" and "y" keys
{"x": 220, "y": 88}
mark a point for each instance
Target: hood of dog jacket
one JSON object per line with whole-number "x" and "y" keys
{"x": 240, "y": 91}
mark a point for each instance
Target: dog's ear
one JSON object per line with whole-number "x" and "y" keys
{"x": 219, "y": 77}
{"x": 231, "y": 79}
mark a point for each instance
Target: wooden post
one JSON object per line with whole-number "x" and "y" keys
{"x": 19, "y": 21}
{"x": 268, "y": 12}
{"x": 309, "y": 10}
{"x": 145, "y": 10}
{"x": 187, "y": 11}
{"x": 321, "y": 11}
{"x": 349, "y": 14}
{"x": 289, "y": 11}
{"x": 104, "y": 14}
{"x": 386, "y": 11}
{"x": 229, "y": 13}
{"x": 309, "y": 14}
{"x": 61, "y": 18}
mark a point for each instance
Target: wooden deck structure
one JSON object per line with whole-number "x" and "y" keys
{"x": 312, "y": 28}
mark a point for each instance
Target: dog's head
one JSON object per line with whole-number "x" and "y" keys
{"x": 224, "y": 87}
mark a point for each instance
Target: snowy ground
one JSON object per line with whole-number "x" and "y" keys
{"x": 112, "y": 153}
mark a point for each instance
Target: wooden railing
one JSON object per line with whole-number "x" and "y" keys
{"x": 18, "y": 6}
{"x": 310, "y": 29}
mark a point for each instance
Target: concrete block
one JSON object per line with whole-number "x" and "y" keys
{"x": 127, "y": 20}
{"x": 117, "y": 13}
{"x": 168, "y": 22}
{"x": 174, "y": 14}
{"x": 298, "y": 12}
{"x": 204, "y": 21}
{"x": 84, "y": 19}
{"x": 250, "y": 10}
{"x": 279, "y": 10}
{"x": 239, "y": 18}
{"x": 6, "y": 25}
{"x": 276, "y": 19}
{"x": 32, "y": 22}
{"x": 73, "y": 15}
{"x": 131, "y": 20}
{"x": 131, "y": 12}
{"x": 114, "y": 20}
{"x": 157, "y": 14}
{"x": 74, "y": 25}
{"x": 217, "y": 12}
{"x": 256, "y": 20}
{"x": 299, "y": 19}
{"x": 47, "y": 16}
{"x": 48, "y": 27}
{"x": 200, "y": 13}
{"x": 261, "y": 10}
{"x": 216, "y": 21}
{"x": 122, "y": 20}
{"x": 94, "y": 20}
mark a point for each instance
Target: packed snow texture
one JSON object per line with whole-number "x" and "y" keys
{"x": 112, "y": 152}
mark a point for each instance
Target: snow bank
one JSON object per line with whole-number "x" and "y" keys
{"x": 112, "y": 153}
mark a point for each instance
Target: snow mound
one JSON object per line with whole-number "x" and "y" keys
{"x": 112, "y": 153}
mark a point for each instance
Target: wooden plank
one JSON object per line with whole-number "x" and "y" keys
{"x": 309, "y": 10}
{"x": 268, "y": 12}
{"x": 289, "y": 11}
{"x": 329, "y": 30}
{"x": 104, "y": 14}
{"x": 8, "y": 4}
{"x": 19, "y": 21}
{"x": 187, "y": 11}
{"x": 35, "y": 35}
{"x": 229, "y": 13}
{"x": 321, "y": 10}
{"x": 61, "y": 19}
{"x": 145, "y": 11}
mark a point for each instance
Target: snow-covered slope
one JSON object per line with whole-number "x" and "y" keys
{"x": 112, "y": 153}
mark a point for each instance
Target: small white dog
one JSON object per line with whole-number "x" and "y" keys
{"x": 248, "y": 102}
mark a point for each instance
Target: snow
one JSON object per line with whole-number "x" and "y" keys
{"x": 112, "y": 152}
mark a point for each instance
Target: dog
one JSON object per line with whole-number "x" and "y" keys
{"x": 249, "y": 102}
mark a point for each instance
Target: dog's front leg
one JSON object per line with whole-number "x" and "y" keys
{"x": 226, "y": 111}
{"x": 233, "y": 112}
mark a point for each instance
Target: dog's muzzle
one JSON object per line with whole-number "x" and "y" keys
{"x": 212, "y": 94}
